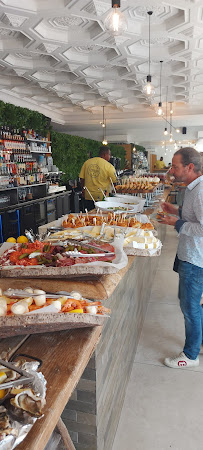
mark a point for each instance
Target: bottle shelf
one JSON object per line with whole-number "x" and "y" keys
{"x": 13, "y": 140}
{"x": 38, "y": 140}
{"x": 41, "y": 151}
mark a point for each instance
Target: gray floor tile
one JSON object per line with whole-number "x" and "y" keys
{"x": 163, "y": 410}
{"x": 165, "y": 287}
{"x": 163, "y": 407}
{"x": 162, "y": 334}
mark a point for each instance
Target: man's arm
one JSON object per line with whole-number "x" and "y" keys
{"x": 82, "y": 182}
{"x": 194, "y": 229}
{"x": 82, "y": 179}
{"x": 112, "y": 174}
{"x": 169, "y": 208}
{"x": 189, "y": 228}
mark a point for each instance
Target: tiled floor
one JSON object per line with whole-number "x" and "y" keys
{"x": 163, "y": 407}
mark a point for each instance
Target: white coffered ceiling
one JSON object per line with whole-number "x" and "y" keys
{"x": 57, "y": 58}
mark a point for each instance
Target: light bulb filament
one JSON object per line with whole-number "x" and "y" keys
{"x": 115, "y": 20}
{"x": 148, "y": 89}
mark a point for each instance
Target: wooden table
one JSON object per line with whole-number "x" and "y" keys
{"x": 65, "y": 355}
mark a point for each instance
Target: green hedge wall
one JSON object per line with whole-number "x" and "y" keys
{"x": 17, "y": 117}
{"x": 70, "y": 152}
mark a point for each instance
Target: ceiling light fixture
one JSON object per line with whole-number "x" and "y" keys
{"x": 115, "y": 22}
{"x": 166, "y": 121}
{"x": 103, "y": 120}
{"x": 104, "y": 142}
{"x": 148, "y": 89}
{"x": 159, "y": 110}
{"x": 171, "y": 134}
{"x": 171, "y": 108}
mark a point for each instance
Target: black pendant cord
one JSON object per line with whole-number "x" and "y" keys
{"x": 149, "y": 45}
{"x": 149, "y": 14}
{"x": 166, "y": 101}
{"x": 160, "y": 78}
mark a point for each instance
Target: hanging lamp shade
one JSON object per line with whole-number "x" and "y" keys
{"x": 116, "y": 22}
{"x": 148, "y": 88}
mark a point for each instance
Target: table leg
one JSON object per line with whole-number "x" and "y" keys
{"x": 62, "y": 430}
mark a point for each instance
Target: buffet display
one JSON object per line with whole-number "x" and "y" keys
{"x": 35, "y": 311}
{"x": 134, "y": 185}
{"x": 21, "y": 405}
{"x": 45, "y": 260}
{"x": 82, "y": 220}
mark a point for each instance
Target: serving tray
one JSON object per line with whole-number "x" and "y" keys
{"x": 93, "y": 269}
{"x": 42, "y": 323}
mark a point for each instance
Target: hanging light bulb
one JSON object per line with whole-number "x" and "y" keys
{"x": 171, "y": 138}
{"x": 165, "y": 132}
{"x": 115, "y": 22}
{"x": 159, "y": 110}
{"x": 148, "y": 89}
{"x": 177, "y": 130}
{"x": 171, "y": 108}
{"x": 104, "y": 142}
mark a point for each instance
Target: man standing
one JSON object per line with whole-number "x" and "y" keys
{"x": 96, "y": 174}
{"x": 160, "y": 164}
{"x": 186, "y": 167}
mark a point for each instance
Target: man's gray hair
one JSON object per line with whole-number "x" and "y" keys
{"x": 190, "y": 155}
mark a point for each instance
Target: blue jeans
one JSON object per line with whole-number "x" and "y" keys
{"x": 190, "y": 292}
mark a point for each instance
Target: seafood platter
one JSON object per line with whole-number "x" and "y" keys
{"x": 35, "y": 311}
{"x": 48, "y": 260}
{"x": 22, "y": 399}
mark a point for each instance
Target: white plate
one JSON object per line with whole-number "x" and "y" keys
{"x": 112, "y": 206}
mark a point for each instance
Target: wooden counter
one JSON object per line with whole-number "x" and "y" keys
{"x": 92, "y": 413}
{"x": 65, "y": 355}
{"x": 99, "y": 288}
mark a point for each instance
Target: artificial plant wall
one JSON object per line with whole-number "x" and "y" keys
{"x": 70, "y": 152}
{"x": 17, "y": 117}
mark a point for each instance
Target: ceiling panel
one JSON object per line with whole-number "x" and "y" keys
{"x": 56, "y": 57}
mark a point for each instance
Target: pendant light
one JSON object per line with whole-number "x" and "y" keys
{"x": 103, "y": 120}
{"x": 148, "y": 89}
{"x": 103, "y": 123}
{"x": 171, "y": 112}
{"x": 171, "y": 107}
{"x": 159, "y": 110}
{"x": 166, "y": 121}
{"x": 115, "y": 22}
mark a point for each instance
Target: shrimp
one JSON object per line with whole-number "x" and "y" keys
{"x": 71, "y": 304}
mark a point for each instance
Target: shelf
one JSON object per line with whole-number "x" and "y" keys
{"x": 13, "y": 140}
{"x": 38, "y": 140}
{"x": 42, "y": 152}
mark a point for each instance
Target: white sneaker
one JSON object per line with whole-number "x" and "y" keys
{"x": 181, "y": 362}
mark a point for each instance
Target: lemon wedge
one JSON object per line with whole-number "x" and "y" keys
{"x": 3, "y": 377}
{"x": 2, "y": 393}
{"x": 79, "y": 311}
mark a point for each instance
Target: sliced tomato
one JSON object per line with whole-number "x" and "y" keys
{"x": 14, "y": 256}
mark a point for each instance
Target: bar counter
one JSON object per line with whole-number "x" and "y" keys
{"x": 92, "y": 413}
